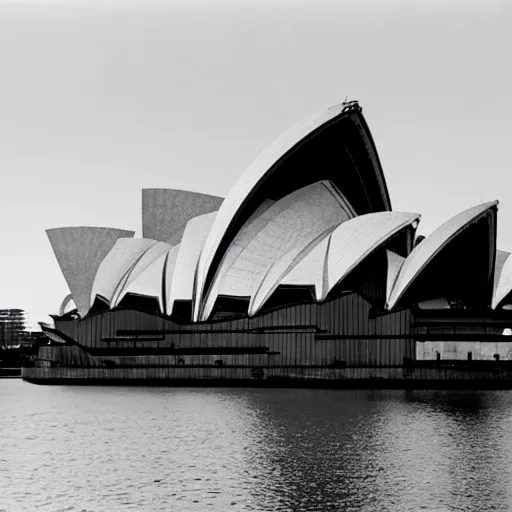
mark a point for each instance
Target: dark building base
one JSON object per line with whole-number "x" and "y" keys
{"x": 347, "y": 378}
{"x": 6, "y": 373}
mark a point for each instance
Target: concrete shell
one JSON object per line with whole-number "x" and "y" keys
{"x": 266, "y": 248}
{"x": 311, "y": 270}
{"x": 167, "y": 277}
{"x": 80, "y": 251}
{"x": 297, "y": 231}
{"x": 165, "y": 212}
{"x": 395, "y": 262}
{"x": 149, "y": 282}
{"x": 67, "y": 305}
{"x": 52, "y": 334}
{"x": 142, "y": 263}
{"x": 267, "y": 164}
{"x": 114, "y": 269}
{"x": 194, "y": 236}
{"x": 353, "y": 241}
{"x": 502, "y": 278}
{"x": 221, "y": 284}
{"x": 423, "y": 253}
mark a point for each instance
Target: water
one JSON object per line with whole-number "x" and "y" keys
{"x": 173, "y": 449}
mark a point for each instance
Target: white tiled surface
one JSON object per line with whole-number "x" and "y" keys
{"x": 423, "y": 253}
{"x": 165, "y": 212}
{"x": 140, "y": 269}
{"x": 80, "y": 251}
{"x": 117, "y": 264}
{"x": 352, "y": 241}
{"x": 245, "y": 184}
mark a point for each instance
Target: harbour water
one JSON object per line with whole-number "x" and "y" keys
{"x": 65, "y": 448}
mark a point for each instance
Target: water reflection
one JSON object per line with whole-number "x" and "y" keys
{"x": 384, "y": 451}
{"x": 155, "y": 449}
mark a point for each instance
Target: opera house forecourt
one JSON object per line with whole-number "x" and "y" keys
{"x": 302, "y": 275}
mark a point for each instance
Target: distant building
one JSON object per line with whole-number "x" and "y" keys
{"x": 302, "y": 269}
{"x": 12, "y": 327}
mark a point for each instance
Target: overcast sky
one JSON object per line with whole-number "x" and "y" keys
{"x": 101, "y": 99}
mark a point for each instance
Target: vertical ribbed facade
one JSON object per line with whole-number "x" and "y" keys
{"x": 338, "y": 332}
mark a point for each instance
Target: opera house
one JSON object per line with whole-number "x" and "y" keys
{"x": 303, "y": 272}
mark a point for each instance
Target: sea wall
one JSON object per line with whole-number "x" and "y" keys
{"x": 402, "y": 378}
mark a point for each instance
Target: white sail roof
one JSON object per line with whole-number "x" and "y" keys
{"x": 502, "y": 278}
{"x": 311, "y": 270}
{"x": 80, "y": 251}
{"x": 114, "y": 269}
{"x": 149, "y": 282}
{"x": 353, "y": 241}
{"x": 253, "y": 225}
{"x": 424, "y": 252}
{"x": 244, "y": 186}
{"x": 266, "y": 248}
{"x": 165, "y": 212}
{"x": 67, "y": 305}
{"x": 143, "y": 262}
{"x": 194, "y": 236}
{"x": 167, "y": 277}
{"x": 395, "y": 262}
{"x": 296, "y": 232}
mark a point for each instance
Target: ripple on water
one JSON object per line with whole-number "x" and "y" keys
{"x": 151, "y": 449}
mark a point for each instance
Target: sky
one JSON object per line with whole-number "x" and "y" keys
{"x": 100, "y": 99}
